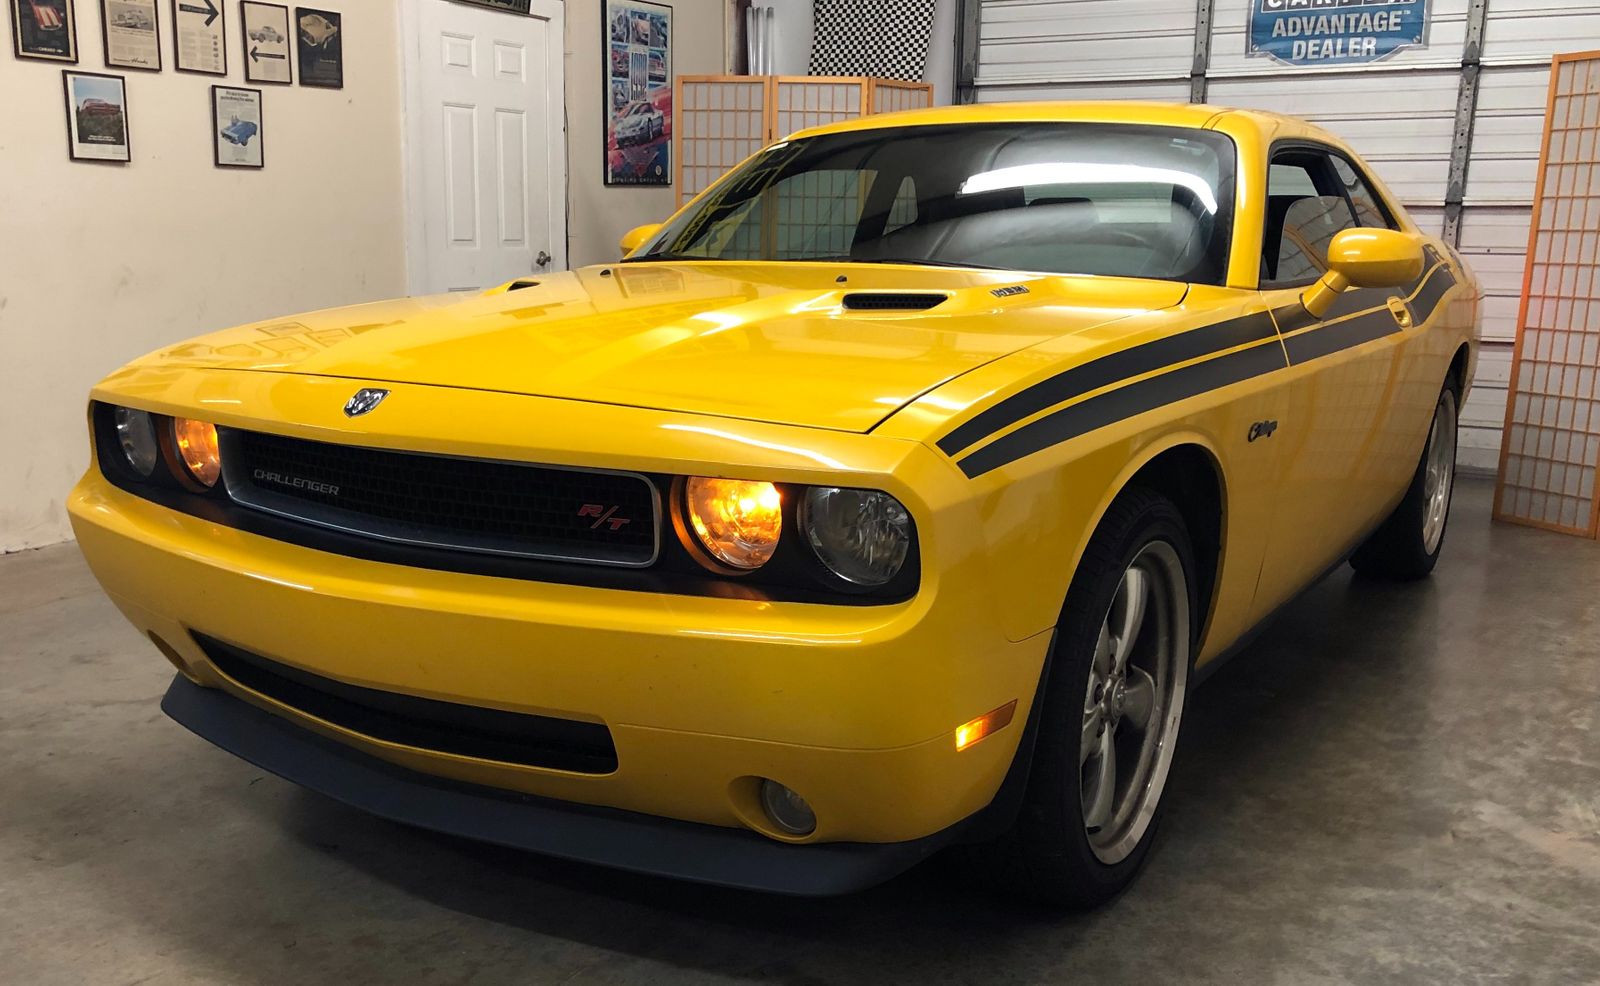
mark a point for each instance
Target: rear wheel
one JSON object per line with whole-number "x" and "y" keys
{"x": 1112, "y": 709}
{"x": 1407, "y": 546}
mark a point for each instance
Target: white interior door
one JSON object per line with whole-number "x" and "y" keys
{"x": 486, "y": 148}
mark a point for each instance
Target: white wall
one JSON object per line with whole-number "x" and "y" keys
{"x": 100, "y": 263}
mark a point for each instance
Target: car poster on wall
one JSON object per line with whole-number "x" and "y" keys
{"x": 44, "y": 29}
{"x": 321, "y": 47}
{"x": 132, "y": 34}
{"x": 1336, "y": 32}
{"x": 638, "y": 92}
{"x": 97, "y": 117}
{"x": 236, "y": 127}
{"x": 197, "y": 45}
{"x": 266, "y": 42}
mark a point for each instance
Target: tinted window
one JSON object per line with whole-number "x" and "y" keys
{"x": 1369, "y": 211}
{"x": 1059, "y": 197}
{"x": 1306, "y": 206}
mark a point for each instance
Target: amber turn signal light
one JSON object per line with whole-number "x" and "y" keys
{"x": 971, "y": 732}
{"x": 196, "y": 445}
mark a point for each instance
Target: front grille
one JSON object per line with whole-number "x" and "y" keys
{"x": 424, "y": 723}
{"x": 496, "y": 507}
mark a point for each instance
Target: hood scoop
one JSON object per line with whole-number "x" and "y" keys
{"x": 892, "y": 301}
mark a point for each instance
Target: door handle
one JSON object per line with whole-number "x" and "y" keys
{"x": 542, "y": 260}
{"x": 1401, "y": 312}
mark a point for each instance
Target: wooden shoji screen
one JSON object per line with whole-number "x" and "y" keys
{"x": 719, "y": 120}
{"x": 1550, "y": 449}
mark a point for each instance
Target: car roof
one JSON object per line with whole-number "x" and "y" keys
{"x": 1196, "y": 115}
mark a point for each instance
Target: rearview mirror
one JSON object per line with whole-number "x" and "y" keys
{"x": 1364, "y": 258}
{"x": 636, "y": 237}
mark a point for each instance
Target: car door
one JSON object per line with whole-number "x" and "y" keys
{"x": 1337, "y": 464}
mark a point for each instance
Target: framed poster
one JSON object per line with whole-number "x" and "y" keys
{"x": 44, "y": 29}
{"x": 321, "y": 47}
{"x": 266, "y": 42}
{"x": 97, "y": 117}
{"x": 132, "y": 34}
{"x": 197, "y": 44}
{"x": 638, "y": 92}
{"x": 236, "y": 127}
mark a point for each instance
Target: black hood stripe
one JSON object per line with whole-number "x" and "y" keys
{"x": 1124, "y": 402}
{"x": 1426, "y": 294}
{"x": 1112, "y": 368}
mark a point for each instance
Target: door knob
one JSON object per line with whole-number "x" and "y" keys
{"x": 542, "y": 259}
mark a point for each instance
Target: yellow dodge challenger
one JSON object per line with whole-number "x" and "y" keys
{"x": 892, "y": 495}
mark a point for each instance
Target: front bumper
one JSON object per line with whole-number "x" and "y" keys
{"x": 626, "y": 840}
{"x": 855, "y": 707}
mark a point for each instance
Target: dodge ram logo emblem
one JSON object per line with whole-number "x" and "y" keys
{"x": 365, "y": 400}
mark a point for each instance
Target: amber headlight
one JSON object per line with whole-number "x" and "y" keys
{"x": 196, "y": 445}
{"x": 862, "y": 536}
{"x": 737, "y": 522}
{"x": 137, "y": 434}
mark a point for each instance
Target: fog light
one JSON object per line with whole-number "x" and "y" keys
{"x": 137, "y": 433}
{"x": 196, "y": 442}
{"x": 786, "y": 809}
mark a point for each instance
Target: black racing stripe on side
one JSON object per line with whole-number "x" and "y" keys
{"x": 1433, "y": 291}
{"x": 1108, "y": 370}
{"x": 1341, "y": 335}
{"x": 1124, "y": 402}
{"x": 1364, "y": 328}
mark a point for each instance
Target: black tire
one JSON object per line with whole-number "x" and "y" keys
{"x": 1047, "y": 855}
{"x": 1399, "y": 550}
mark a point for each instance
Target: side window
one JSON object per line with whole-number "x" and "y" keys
{"x": 1306, "y": 206}
{"x": 1369, "y": 211}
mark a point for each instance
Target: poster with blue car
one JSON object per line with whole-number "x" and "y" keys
{"x": 236, "y": 127}
{"x": 1336, "y": 32}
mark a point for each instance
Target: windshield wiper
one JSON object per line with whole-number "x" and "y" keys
{"x": 913, "y": 261}
{"x": 665, "y": 256}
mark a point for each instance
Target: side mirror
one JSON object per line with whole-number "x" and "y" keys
{"x": 636, "y": 237}
{"x": 1364, "y": 258}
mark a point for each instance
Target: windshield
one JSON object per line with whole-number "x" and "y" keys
{"x": 1068, "y": 198}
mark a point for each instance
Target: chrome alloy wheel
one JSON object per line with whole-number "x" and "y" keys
{"x": 1440, "y": 472}
{"x": 1134, "y": 702}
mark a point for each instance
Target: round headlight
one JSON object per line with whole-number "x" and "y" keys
{"x": 736, "y": 521}
{"x": 196, "y": 442}
{"x": 861, "y": 535}
{"x": 137, "y": 433}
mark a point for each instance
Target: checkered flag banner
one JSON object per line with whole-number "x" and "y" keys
{"x": 883, "y": 38}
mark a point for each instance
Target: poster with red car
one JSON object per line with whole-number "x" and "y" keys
{"x": 44, "y": 29}
{"x": 638, "y": 92}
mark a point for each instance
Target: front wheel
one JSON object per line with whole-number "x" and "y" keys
{"x": 1407, "y": 546}
{"x": 1112, "y": 708}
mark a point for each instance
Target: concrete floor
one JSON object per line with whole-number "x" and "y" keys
{"x": 1395, "y": 784}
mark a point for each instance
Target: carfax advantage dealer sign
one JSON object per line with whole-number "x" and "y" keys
{"x": 1336, "y": 32}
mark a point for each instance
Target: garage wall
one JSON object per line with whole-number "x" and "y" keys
{"x": 1399, "y": 113}
{"x": 104, "y": 262}
{"x": 597, "y": 216}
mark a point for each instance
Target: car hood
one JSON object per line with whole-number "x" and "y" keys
{"x": 777, "y": 342}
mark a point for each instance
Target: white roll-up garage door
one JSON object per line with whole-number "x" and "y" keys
{"x": 1400, "y": 113}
